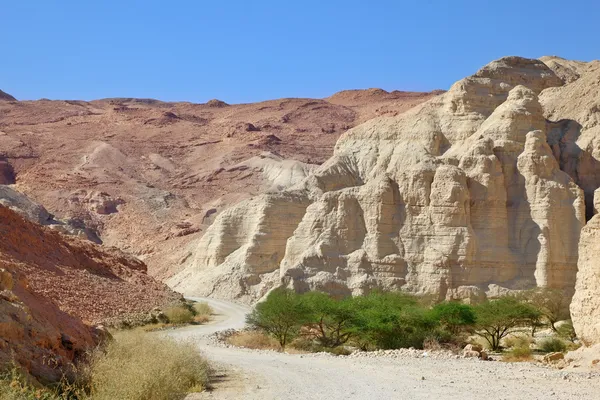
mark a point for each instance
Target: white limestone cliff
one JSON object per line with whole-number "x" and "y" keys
{"x": 463, "y": 196}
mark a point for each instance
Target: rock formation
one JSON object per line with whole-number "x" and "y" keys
{"x": 464, "y": 196}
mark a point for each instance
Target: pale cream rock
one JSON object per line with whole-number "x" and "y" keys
{"x": 460, "y": 197}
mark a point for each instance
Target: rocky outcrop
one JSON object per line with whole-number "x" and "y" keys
{"x": 462, "y": 197}
{"x": 38, "y": 214}
{"x": 585, "y": 306}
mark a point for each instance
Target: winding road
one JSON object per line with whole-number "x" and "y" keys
{"x": 265, "y": 375}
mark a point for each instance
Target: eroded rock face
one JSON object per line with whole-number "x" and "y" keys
{"x": 461, "y": 197}
{"x": 585, "y": 306}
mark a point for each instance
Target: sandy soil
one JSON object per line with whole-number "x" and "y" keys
{"x": 249, "y": 374}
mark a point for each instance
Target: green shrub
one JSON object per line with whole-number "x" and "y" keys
{"x": 553, "y": 345}
{"x": 137, "y": 366}
{"x": 339, "y": 351}
{"x": 391, "y": 321}
{"x": 566, "y": 331}
{"x": 179, "y": 315}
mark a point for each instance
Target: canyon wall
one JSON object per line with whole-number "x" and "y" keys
{"x": 477, "y": 192}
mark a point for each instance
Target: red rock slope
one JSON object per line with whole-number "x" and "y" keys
{"x": 85, "y": 280}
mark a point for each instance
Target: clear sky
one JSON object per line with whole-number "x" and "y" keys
{"x": 251, "y": 50}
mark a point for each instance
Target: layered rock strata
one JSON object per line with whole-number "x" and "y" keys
{"x": 463, "y": 196}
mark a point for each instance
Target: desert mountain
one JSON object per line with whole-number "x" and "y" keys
{"x": 477, "y": 192}
{"x": 149, "y": 177}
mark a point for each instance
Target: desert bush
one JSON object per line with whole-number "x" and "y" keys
{"x": 138, "y": 366}
{"x": 500, "y": 317}
{"x": 391, "y": 321}
{"x": 566, "y": 331}
{"x": 202, "y": 312}
{"x": 553, "y": 345}
{"x": 281, "y": 315}
{"x": 454, "y": 317}
{"x": 339, "y": 351}
{"x": 202, "y": 308}
{"x": 179, "y": 315}
{"x": 253, "y": 340}
{"x": 518, "y": 354}
{"x": 518, "y": 340}
{"x": 552, "y": 304}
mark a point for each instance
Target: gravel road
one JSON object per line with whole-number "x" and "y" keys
{"x": 265, "y": 375}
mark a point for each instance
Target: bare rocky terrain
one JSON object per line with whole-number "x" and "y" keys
{"x": 149, "y": 177}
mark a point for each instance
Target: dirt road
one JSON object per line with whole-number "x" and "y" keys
{"x": 248, "y": 374}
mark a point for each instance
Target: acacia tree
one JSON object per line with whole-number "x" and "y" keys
{"x": 553, "y": 304}
{"x": 499, "y": 317}
{"x": 331, "y": 320}
{"x": 454, "y": 317}
{"x": 281, "y": 315}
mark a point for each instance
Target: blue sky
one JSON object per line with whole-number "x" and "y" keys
{"x": 243, "y": 50}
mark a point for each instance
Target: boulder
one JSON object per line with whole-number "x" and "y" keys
{"x": 552, "y": 357}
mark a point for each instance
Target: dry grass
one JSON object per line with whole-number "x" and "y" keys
{"x": 203, "y": 312}
{"x": 179, "y": 315}
{"x": 253, "y": 340}
{"x": 518, "y": 354}
{"x": 518, "y": 340}
{"x": 138, "y": 366}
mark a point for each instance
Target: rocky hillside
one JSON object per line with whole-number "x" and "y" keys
{"x": 477, "y": 192}
{"x": 6, "y": 97}
{"x": 149, "y": 177}
{"x": 34, "y": 332}
{"x": 85, "y": 280}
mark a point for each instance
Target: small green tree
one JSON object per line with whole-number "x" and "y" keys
{"x": 281, "y": 315}
{"x": 553, "y": 304}
{"x": 454, "y": 317}
{"x": 566, "y": 331}
{"x": 498, "y": 318}
{"x": 332, "y": 320}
